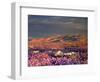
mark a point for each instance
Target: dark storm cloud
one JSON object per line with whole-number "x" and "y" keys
{"x": 40, "y": 26}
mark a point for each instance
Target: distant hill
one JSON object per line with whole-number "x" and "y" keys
{"x": 58, "y": 41}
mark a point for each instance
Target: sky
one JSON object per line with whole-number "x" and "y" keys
{"x": 42, "y": 26}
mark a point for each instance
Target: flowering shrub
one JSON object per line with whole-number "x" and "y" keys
{"x": 43, "y": 59}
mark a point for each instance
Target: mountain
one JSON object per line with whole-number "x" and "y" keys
{"x": 58, "y": 41}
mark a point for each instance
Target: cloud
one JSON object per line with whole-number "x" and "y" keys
{"x": 33, "y": 19}
{"x": 46, "y": 25}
